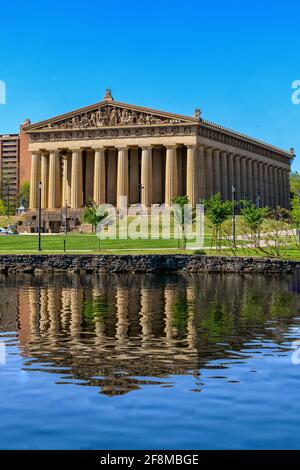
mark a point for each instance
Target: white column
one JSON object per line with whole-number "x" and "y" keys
{"x": 122, "y": 183}
{"x": 99, "y": 177}
{"x": 171, "y": 174}
{"x": 192, "y": 175}
{"x": 34, "y": 179}
{"x": 76, "y": 180}
{"x": 147, "y": 176}
{"x": 54, "y": 194}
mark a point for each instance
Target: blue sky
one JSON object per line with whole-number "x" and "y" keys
{"x": 236, "y": 60}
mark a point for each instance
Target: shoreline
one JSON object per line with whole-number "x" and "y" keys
{"x": 144, "y": 264}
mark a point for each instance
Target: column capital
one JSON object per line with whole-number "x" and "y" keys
{"x": 147, "y": 147}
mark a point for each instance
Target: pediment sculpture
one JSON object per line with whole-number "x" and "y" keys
{"x": 111, "y": 116}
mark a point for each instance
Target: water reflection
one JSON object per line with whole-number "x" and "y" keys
{"x": 120, "y": 332}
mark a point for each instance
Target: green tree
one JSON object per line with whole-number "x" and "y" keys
{"x": 23, "y": 196}
{"x": 253, "y": 217}
{"x": 183, "y": 215}
{"x": 217, "y": 211}
{"x": 295, "y": 182}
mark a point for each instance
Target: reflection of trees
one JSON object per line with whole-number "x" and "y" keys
{"x": 121, "y": 332}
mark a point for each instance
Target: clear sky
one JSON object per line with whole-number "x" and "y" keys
{"x": 236, "y": 60}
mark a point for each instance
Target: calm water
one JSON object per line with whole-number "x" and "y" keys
{"x": 122, "y": 362}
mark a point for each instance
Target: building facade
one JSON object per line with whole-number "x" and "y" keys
{"x": 112, "y": 149}
{"x": 9, "y": 169}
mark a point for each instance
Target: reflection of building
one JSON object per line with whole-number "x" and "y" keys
{"x": 113, "y": 149}
{"x": 119, "y": 332}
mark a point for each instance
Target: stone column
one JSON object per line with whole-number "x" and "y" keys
{"x": 54, "y": 180}
{"x": 275, "y": 176}
{"x": 192, "y": 175}
{"x": 147, "y": 177}
{"x": 209, "y": 172}
{"x": 231, "y": 173}
{"x": 244, "y": 187}
{"x": 76, "y": 180}
{"x": 35, "y": 179}
{"x": 99, "y": 177}
{"x": 217, "y": 171}
{"x": 202, "y": 177}
{"x": 280, "y": 187}
{"x": 122, "y": 178}
{"x": 224, "y": 176}
{"x": 261, "y": 189}
{"x": 266, "y": 185}
{"x": 271, "y": 186}
{"x": 44, "y": 180}
{"x": 237, "y": 177}
{"x": 171, "y": 174}
{"x": 255, "y": 180}
{"x": 250, "y": 191}
{"x": 287, "y": 188}
{"x": 64, "y": 198}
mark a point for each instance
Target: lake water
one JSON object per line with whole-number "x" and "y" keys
{"x": 149, "y": 362}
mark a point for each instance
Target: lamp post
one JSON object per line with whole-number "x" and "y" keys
{"x": 39, "y": 215}
{"x": 233, "y": 217}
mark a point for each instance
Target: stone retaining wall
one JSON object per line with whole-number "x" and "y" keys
{"x": 142, "y": 264}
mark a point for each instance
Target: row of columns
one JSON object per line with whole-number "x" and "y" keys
{"x": 208, "y": 171}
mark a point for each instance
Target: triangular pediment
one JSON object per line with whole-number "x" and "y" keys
{"x": 112, "y": 114}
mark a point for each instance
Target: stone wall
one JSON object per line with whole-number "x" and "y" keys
{"x": 142, "y": 264}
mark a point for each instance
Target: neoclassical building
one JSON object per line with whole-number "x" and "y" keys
{"x": 113, "y": 149}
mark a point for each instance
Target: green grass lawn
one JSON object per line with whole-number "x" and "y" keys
{"x": 81, "y": 243}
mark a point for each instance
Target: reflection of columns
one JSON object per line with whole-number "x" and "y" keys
{"x": 249, "y": 180}
{"x": 171, "y": 175}
{"x": 146, "y": 176}
{"x": 44, "y": 310}
{"x": 147, "y": 306}
{"x": 122, "y": 178}
{"x": 224, "y": 176}
{"x": 44, "y": 181}
{"x": 122, "y": 300}
{"x": 54, "y": 180}
{"x": 53, "y": 310}
{"x": 244, "y": 187}
{"x": 35, "y": 179}
{"x": 76, "y": 180}
{"x": 202, "y": 177}
{"x": 209, "y": 172}
{"x": 170, "y": 295}
{"x": 266, "y": 185}
{"x": 99, "y": 176}
{"x": 217, "y": 171}
{"x": 34, "y": 312}
{"x": 192, "y": 175}
{"x": 192, "y": 335}
{"x": 76, "y": 311}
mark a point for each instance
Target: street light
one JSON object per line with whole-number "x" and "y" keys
{"x": 233, "y": 217}
{"x": 39, "y": 216}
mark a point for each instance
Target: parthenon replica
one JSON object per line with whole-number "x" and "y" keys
{"x": 112, "y": 149}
